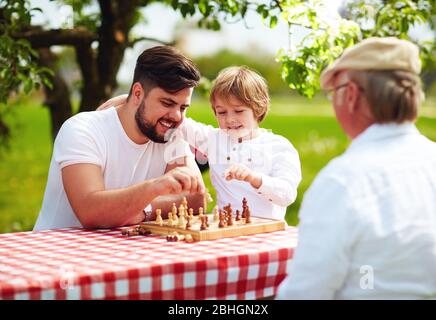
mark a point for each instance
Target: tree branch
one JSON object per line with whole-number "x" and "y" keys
{"x": 136, "y": 40}
{"x": 45, "y": 38}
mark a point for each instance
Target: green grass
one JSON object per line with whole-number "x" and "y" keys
{"x": 309, "y": 125}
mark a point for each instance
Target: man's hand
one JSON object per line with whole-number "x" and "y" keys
{"x": 178, "y": 180}
{"x": 242, "y": 173}
{"x": 113, "y": 102}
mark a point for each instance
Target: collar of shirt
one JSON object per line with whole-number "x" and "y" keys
{"x": 378, "y": 132}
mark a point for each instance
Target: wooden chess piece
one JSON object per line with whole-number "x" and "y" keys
{"x": 185, "y": 204}
{"x": 215, "y": 214}
{"x": 229, "y": 209}
{"x": 247, "y": 216}
{"x": 203, "y": 223}
{"x": 159, "y": 220}
{"x": 175, "y": 219}
{"x": 244, "y": 207}
{"x": 181, "y": 210}
{"x": 230, "y": 220}
{"x": 188, "y": 223}
{"x": 191, "y": 213}
{"x": 200, "y": 213}
{"x": 182, "y": 221}
{"x": 237, "y": 215}
{"x": 221, "y": 223}
{"x": 170, "y": 219}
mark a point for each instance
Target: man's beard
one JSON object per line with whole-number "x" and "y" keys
{"x": 147, "y": 128}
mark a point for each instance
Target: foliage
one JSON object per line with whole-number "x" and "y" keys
{"x": 264, "y": 63}
{"x": 19, "y": 68}
{"x": 303, "y": 63}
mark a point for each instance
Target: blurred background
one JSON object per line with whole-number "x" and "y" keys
{"x": 308, "y": 123}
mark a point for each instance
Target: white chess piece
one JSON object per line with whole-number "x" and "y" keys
{"x": 215, "y": 214}
{"x": 159, "y": 220}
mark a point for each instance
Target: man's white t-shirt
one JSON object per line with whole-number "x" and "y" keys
{"x": 98, "y": 137}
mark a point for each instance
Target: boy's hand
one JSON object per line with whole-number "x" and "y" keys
{"x": 242, "y": 173}
{"x": 115, "y": 102}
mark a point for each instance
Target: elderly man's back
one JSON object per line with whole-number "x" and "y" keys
{"x": 368, "y": 222}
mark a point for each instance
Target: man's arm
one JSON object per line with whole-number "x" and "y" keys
{"x": 195, "y": 200}
{"x": 96, "y": 207}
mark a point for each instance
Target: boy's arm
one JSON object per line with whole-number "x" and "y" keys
{"x": 195, "y": 134}
{"x": 278, "y": 187}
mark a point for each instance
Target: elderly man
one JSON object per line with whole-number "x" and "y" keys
{"x": 368, "y": 222}
{"x": 107, "y": 167}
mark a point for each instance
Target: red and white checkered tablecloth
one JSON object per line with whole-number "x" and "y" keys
{"x": 75, "y": 263}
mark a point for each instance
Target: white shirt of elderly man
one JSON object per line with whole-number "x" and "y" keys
{"x": 368, "y": 222}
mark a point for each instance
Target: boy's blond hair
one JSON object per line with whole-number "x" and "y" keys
{"x": 244, "y": 84}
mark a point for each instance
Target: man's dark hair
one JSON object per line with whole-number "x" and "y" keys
{"x": 165, "y": 67}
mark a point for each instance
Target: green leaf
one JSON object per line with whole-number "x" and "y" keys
{"x": 28, "y": 84}
{"x": 273, "y": 22}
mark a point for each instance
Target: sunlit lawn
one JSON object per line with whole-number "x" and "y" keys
{"x": 309, "y": 125}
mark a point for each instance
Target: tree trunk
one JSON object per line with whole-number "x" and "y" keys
{"x": 57, "y": 99}
{"x": 100, "y": 68}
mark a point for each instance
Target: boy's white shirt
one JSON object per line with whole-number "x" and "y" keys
{"x": 271, "y": 155}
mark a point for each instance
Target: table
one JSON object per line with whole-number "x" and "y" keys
{"x": 75, "y": 263}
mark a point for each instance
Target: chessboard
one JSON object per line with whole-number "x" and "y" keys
{"x": 182, "y": 224}
{"x": 213, "y": 232}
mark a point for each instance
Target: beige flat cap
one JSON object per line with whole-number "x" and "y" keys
{"x": 375, "y": 54}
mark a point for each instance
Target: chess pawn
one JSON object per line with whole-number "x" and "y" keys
{"x": 174, "y": 209}
{"x": 159, "y": 220}
{"x": 215, "y": 214}
{"x": 170, "y": 219}
{"x": 191, "y": 213}
{"x": 247, "y": 215}
{"x": 175, "y": 219}
{"x": 237, "y": 215}
{"x": 185, "y": 204}
{"x": 221, "y": 223}
{"x": 182, "y": 221}
{"x": 200, "y": 213}
{"x": 203, "y": 223}
{"x": 188, "y": 223}
{"x": 230, "y": 220}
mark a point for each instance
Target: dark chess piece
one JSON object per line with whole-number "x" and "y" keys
{"x": 221, "y": 223}
{"x": 203, "y": 223}
{"x": 247, "y": 215}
